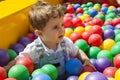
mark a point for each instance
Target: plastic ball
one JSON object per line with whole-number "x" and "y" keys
{"x": 104, "y": 9}
{"x": 79, "y": 29}
{"x": 73, "y": 67}
{"x": 85, "y": 35}
{"x": 110, "y": 27}
{"x": 75, "y": 36}
{"x": 72, "y": 78}
{"x": 82, "y": 44}
{"x": 68, "y": 32}
{"x": 41, "y": 77}
{"x": 96, "y": 76}
{"x": 108, "y": 22}
{"x": 64, "y": 8}
{"x": 76, "y": 6}
{"x": 117, "y": 74}
{"x": 38, "y": 71}
{"x": 67, "y": 22}
{"x": 102, "y": 63}
{"x": 105, "y": 53}
{"x": 79, "y": 10}
{"x": 115, "y": 49}
{"x": 101, "y": 16}
{"x": 96, "y": 29}
{"x": 25, "y": 41}
{"x": 111, "y": 79}
{"x": 18, "y": 47}
{"x": 105, "y": 5}
{"x": 93, "y": 61}
{"x": 110, "y": 71}
{"x": 109, "y": 33}
{"x": 83, "y": 75}
{"x": 51, "y": 70}
{"x": 95, "y": 40}
{"x": 89, "y": 4}
{"x": 115, "y": 21}
{"x": 117, "y": 61}
{"x": 97, "y": 21}
{"x": 70, "y": 9}
{"x": 26, "y": 62}
{"x": 12, "y": 54}
{"x": 31, "y": 36}
{"x": 3, "y": 73}
{"x": 88, "y": 28}
{"x": 18, "y": 72}
{"x": 93, "y": 12}
{"x": 76, "y": 22}
{"x": 116, "y": 32}
{"x": 117, "y": 26}
{"x": 117, "y": 38}
{"x": 4, "y": 57}
{"x": 93, "y": 52}
{"x": 10, "y": 79}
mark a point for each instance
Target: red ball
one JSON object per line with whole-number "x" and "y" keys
{"x": 69, "y": 15}
{"x": 70, "y": 9}
{"x": 88, "y": 19}
{"x": 79, "y": 10}
{"x": 76, "y": 22}
{"x": 67, "y": 22}
{"x": 110, "y": 71}
{"x": 108, "y": 22}
{"x": 75, "y": 36}
{"x": 26, "y": 62}
{"x": 10, "y": 79}
{"x": 3, "y": 73}
{"x": 105, "y": 5}
{"x": 88, "y": 69}
{"x": 97, "y": 21}
{"x": 95, "y": 40}
{"x": 115, "y": 21}
{"x": 85, "y": 35}
{"x": 96, "y": 29}
{"x": 31, "y": 36}
{"x": 117, "y": 61}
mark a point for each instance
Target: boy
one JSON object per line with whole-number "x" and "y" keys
{"x": 51, "y": 46}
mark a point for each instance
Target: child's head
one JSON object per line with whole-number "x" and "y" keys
{"x": 47, "y": 20}
{"x": 42, "y": 12}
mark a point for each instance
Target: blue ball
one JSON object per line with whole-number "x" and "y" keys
{"x": 76, "y": 6}
{"x": 104, "y": 9}
{"x": 110, "y": 27}
{"x": 73, "y": 67}
{"x": 109, "y": 33}
{"x": 41, "y": 77}
{"x": 93, "y": 12}
{"x": 72, "y": 78}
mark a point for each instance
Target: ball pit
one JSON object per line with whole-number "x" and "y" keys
{"x": 72, "y": 78}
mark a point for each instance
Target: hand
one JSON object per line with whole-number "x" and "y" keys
{"x": 88, "y": 63}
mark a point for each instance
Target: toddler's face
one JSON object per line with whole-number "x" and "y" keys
{"x": 54, "y": 30}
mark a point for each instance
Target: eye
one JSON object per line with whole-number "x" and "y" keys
{"x": 55, "y": 27}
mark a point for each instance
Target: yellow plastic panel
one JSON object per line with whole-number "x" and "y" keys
{"x": 13, "y": 21}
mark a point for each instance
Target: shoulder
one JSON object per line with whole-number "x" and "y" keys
{"x": 67, "y": 40}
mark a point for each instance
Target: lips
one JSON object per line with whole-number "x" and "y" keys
{"x": 61, "y": 36}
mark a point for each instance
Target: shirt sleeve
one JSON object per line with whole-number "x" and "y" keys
{"x": 70, "y": 47}
{"x": 30, "y": 52}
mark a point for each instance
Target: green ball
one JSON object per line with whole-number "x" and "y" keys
{"x": 115, "y": 49}
{"x": 84, "y": 5}
{"x": 104, "y": 28}
{"x": 105, "y": 53}
{"x": 38, "y": 71}
{"x": 12, "y": 54}
{"x": 101, "y": 16}
{"x": 110, "y": 11}
{"x": 111, "y": 15}
{"x": 93, "y": 51}
{"x": 51, "y": 70}
{"x": 19, "y": 72}
{"x": 97, "y": 4}
{"x": 82, "y": 44}
{"x": 64, "y": 9}
{"x": 117, "y": 38}
{"x": 90, "y": 4}
{"x": 116, "y": 31}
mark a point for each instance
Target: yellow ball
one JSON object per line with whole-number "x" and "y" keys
{"x": 97, "y": 8}
{"x": 107, "y": 44}
{"x": 117, "y": 74}
{"x": 79, "y": 29}
{"x": 111, "y": 79}
{"x": 83, "y": 76}
{"x": 88, "y": 28}
{"x": 68, "y": 32}
{"x": 111, "y": 7}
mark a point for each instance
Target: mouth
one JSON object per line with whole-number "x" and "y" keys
{"x": 61, "y": 36}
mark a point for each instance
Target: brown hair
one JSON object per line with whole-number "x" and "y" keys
{"x": 41, "y": 13}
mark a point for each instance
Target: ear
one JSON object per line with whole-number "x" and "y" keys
{"x": 38, "y": 32}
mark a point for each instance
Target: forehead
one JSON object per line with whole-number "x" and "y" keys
{"x": 55, "y": 21}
